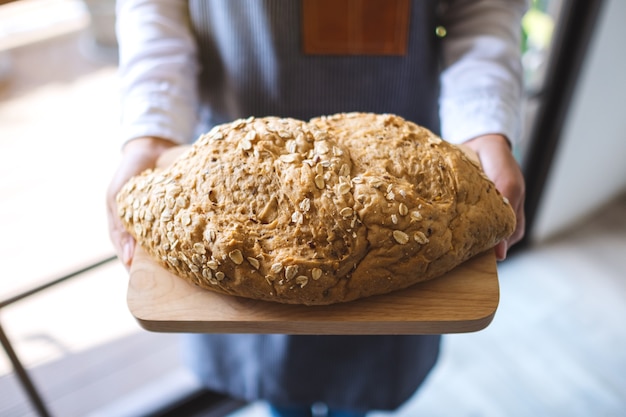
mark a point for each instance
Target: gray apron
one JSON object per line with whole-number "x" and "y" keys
{"x": 253, "y": 64}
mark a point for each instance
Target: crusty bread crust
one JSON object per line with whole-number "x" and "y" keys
{"x": 339, "y": 208}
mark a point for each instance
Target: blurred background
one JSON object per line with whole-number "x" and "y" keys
{"x": 557, "y": 346}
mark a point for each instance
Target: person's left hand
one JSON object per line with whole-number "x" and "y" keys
{"x": 499, "y": 164}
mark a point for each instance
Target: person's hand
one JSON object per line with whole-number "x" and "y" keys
{"x": 499, "y": 164}
{"x": 137, "y": 156}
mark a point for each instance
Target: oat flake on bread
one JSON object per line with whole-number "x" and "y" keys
{"x": 339, "y": 208}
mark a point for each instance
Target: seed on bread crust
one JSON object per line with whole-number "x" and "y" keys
{"x": 236, "y": 256}
{"x": 400, "y": 237}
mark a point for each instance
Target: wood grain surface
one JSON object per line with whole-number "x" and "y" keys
{"x": 463, "y": 300}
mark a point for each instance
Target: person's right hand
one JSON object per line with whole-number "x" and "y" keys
{"x": 138, "y": 155}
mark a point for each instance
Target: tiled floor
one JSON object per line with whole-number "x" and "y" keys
{"x": 556, "y": 347}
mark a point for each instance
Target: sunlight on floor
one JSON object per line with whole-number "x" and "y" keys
{"x": 58, "y": 149}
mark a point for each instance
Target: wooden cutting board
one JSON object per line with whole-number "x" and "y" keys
{"x": 463, "y": 300}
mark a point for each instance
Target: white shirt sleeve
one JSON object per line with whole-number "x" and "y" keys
{"x": 482, "y": 79}
{"x": 157, "y": 70}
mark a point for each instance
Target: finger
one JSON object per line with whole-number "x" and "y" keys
{"x": 124, "y": 245}
{"x": 123, "y": 242}
{"x": 128, "y": 249}
{"x": 520, "y": 227}
{"x": 501, "y": 249}
{"x": 120, "y": 239}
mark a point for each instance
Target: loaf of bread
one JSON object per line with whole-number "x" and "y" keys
{"x": 331, "y": 210}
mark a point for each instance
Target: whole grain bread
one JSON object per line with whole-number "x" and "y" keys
{"x": 339, "y": 208}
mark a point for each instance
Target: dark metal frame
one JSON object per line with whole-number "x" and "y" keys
{"x": 23, "y": 376}
{"x": 574, "y": 32}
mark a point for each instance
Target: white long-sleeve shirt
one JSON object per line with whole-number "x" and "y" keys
{"x": 481, "y": 81}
